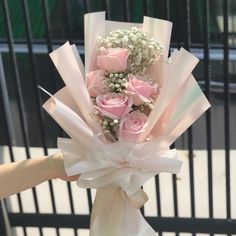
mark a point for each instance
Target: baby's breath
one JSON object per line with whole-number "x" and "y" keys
{"x": 116, "y": 82}
{"x": 144, "y": 51}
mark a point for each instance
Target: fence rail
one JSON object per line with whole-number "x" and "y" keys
{"x": 164, "y": 224}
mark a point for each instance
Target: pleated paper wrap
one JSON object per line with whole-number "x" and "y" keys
{"x": 118, "y": 170}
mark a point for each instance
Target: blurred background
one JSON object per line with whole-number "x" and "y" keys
{"x": 201, "y": 198}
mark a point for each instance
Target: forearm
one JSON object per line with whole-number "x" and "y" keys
{"x": 19, "y": 176}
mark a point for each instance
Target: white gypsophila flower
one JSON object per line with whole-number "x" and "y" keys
{"x": 143, "y": 51}
{"x": 116, "y": 81}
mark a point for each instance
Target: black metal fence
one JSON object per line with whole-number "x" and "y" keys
{"x": 29, "y": 30}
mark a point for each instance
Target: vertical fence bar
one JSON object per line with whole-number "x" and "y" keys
{"x": 85, "y": 6}
{"x": 7, "y": 124}
{"x": 226, "y": 106}
{"x": 3, "y": 230}
{"x": 166, "y": 9}
{"x": 35, "y": 77}
{"x": 7, "y": 120}
{"x": 18, "y": 90}
{"x": 72, "y": 209}
{"x": 108, "y": 9}
{"x": 47, "y": 26}
{"x": 50, "y": 49}
{"x": 127, "y": 10}
{"x": 4, "y": 102}
{"x": 146, "y": 8}
{"x": 90, "y": 202}
{"x": 67, "y": 18}
{"x": 8, "y": 230}
{"x": 207, "y": 75}
{"x": 6, "y": 110}
{"x": 190, "y": 138}
{"x": 157, "y": 185}
{"x": 175, "y": 195}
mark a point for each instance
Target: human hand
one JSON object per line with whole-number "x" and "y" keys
{"x": 59, "y": 170}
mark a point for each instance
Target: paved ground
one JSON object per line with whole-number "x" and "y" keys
{"x": 80, "y": 199}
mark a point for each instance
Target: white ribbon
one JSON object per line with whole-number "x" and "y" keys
{"x": 118, "y": 171}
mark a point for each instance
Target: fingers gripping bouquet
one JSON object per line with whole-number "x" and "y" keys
{"x": 122, "y": 112}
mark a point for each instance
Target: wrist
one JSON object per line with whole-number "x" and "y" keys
{"x": 56, "y": 166}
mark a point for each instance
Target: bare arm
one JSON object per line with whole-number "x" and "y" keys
{"x": 18, "y": 176}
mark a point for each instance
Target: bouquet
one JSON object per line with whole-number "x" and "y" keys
{"x": 122, "y": 112}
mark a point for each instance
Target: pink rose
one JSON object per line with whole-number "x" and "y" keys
{"x": 131, "y": 126}
{"x": 95, "y": 83}
{"x": 141, "y": 90}
{"x": 114, "y": 105}
{"x": 113, "y": 59}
